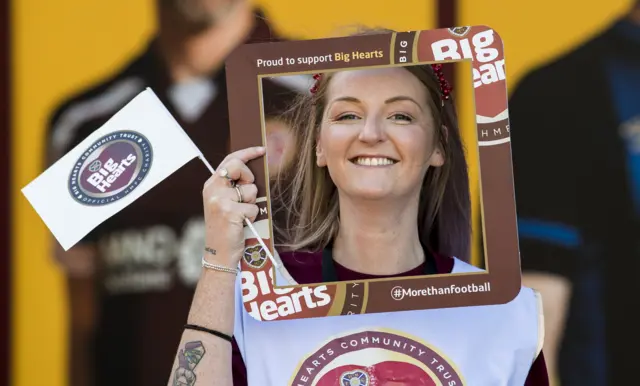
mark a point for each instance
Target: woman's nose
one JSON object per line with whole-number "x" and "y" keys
{"x": 372, "y": 131}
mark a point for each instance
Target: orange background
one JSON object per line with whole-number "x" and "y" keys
{"x": 61, "y": 46}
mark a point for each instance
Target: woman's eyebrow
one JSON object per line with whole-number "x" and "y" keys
{"x": 390, "y": 100}
{"x": 402, "y": 98}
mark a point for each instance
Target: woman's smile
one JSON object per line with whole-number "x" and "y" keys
{"x": 373, "y": 161}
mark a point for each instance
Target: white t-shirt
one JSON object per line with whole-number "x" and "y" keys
{"x": 481, "y": 345}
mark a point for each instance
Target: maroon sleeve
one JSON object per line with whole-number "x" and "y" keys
{"x": 538, "y": 375}
{"x": 238, "y": 369}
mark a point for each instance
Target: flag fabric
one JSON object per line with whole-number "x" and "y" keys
{"x": 141, "y": 145}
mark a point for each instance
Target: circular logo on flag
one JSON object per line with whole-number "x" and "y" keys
{"x": 370, "y": 358}
{"x": 111, "y": 168}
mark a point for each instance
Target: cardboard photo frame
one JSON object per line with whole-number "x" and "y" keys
{"x": 498, "y": 284}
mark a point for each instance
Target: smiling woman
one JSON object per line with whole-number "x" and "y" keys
{"x": 378, "y": 189}
{"x": 381, "y": 143}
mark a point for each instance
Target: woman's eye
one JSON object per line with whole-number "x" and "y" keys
{"x": 402, "y": 117}
{"x": 347, "y": 117}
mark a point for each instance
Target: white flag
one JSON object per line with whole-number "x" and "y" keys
{"x": 141, "y": 145}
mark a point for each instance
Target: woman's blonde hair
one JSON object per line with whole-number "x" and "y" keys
{"x": 305, "y": 199}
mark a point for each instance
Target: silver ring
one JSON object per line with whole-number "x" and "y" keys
{"x": 224, "y": 173}
{"x": 240, "y": 198}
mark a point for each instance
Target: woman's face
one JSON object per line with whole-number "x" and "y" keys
{"x": 377, "y": 137}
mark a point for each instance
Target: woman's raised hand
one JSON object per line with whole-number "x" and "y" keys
{"x": 229, "y": 196}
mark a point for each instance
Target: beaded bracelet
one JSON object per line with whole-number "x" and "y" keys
{"x": 218, "y": 268}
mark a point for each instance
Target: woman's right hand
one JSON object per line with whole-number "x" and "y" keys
{"x": 223, "y": 213}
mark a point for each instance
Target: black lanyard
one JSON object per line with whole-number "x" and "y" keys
{"x": 329, "y": 274}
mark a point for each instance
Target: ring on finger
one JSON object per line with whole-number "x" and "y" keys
{"x": 240, "y": 198}
{"x": 224, "y": 173}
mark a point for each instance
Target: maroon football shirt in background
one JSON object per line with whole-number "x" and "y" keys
{"x": 151, "y": 251}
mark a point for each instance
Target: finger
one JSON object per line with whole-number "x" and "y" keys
{"x": 249, "y": 211}
{"x": 245, "y": 155}
{"x": 220, "y": 208}
{"x": 248, "y": 193}
{"x": 237, "y": 171}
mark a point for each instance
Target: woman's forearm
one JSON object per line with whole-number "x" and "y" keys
{"x": 229, "y": 197}
{"x": 202, "y": 358}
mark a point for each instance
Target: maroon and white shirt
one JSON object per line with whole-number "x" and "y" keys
{"x": 484, "y": 345}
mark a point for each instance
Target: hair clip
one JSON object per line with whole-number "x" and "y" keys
{"x": 445, "y": 87}
{"x": 317, "y": 78}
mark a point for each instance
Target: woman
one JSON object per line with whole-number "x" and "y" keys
{"x": 380, "y": 152}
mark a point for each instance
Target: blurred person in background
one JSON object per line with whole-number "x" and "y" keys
{"x": 576, "y": 151}
{"x": 145, "y": 260}
{"x": 280, "y": 140}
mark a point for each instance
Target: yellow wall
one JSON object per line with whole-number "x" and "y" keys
{"x": 59, "y": 46}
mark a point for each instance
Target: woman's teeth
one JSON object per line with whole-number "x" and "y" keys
{"x": 378, "y": 161}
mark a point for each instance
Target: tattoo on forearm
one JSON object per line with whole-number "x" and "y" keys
{"x": 188, "y": 359}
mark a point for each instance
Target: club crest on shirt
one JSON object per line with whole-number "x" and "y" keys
{"x": 255, "y": 256}
{"x": 110, "y": 168}
{"x": 376, "y": 357}
{"x": 459, "y": 31}
{"x": 354, "y": 378}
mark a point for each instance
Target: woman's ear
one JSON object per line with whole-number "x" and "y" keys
{"x": 438, "y": 156}
{"x": 321, "y": 159}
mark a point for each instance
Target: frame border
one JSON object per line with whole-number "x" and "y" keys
{"x": 479, "y": 44}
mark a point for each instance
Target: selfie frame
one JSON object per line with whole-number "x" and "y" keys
{"x": 499, "y": 283}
